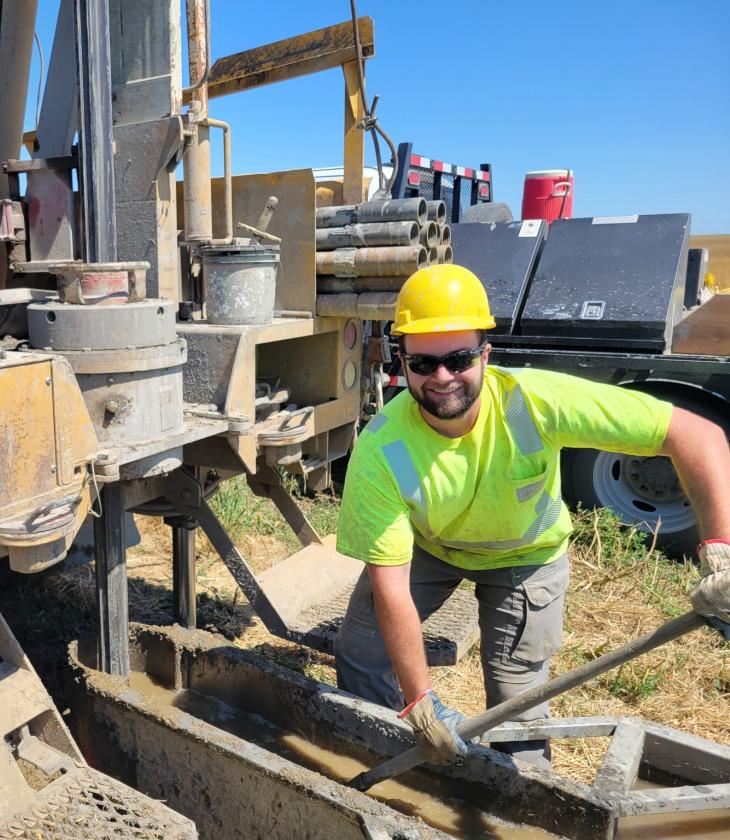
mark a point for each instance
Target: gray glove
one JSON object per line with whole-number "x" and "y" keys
{"x": 711, "y": 596}
{"x": 434, "y": 727}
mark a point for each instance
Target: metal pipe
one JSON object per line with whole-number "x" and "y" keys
{"x": 96, "y": 142}
{"x": 433, "y": 255}
{"x": 227, "y": 180}
{"x": 183, "y": 571}
{"x": 111, "y": 583}
{"x": 392, "y": 210}
{"x": 369, "y": 306}
{"x": 445, "y": 232}
{"x": 17, "y": 23}
{"x": 197, "y": 14}
{"x": 381, "y": 262}
{"x": 345, "y": 285}
{"x": 444, "y": 254}
{"x": 363, "y": 236}
{"x": 197, "y": 194}
{"x": 436, "y": 212}
{"x": 429, "y": 234}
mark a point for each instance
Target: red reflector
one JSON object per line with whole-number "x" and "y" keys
{"x": 484, "y": 191}
{"x": 414, "y": 179}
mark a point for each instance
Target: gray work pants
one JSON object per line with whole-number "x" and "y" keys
{"x": 520, "y": 619}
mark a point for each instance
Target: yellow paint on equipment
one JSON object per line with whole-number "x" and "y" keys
{"x": 46, "y": 449}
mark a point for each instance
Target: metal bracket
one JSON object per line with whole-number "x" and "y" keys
{"x": 41, "y": 755}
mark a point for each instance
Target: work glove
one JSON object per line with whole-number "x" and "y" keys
{"x": 711, "y": 596}
{"x": 434, "y": 727}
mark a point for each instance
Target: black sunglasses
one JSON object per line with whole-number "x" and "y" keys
{"x": 460, "y": 360}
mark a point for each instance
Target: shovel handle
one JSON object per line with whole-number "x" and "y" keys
{"x": 476, "y": 726}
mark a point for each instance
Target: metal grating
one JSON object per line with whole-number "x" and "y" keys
{"x": 87, "y": 805}
{"x": 447, "y": 194}
{"x": 464, "y": 196}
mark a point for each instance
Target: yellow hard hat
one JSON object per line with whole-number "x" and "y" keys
{"x": 441, "y": 298}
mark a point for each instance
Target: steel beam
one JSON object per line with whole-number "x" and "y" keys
{"x": 322, "y": 49}
{"x": 96, "y": 153}
{"x": 240, "y": 571}
{"x": 111, "y": 583}
{"x": 183, "y": 571}
{"x": 354, "y": 137}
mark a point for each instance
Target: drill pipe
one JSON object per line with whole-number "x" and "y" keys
{"x": 392, "y": 210}
{"x": 429, "y": 234}
{"x": 363, "y": 236}
{"x": 381, "y": 262}
{"x": 344, "y": 285}
{"x": 436, "y": 212}
{"x": 444, "y": 254}
{"x": 445, "y": 235}
{"x": 370, "y": 306}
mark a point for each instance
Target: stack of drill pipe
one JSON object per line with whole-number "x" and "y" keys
{"x": 440, "y": 250}
{"x": 372, "y": 248}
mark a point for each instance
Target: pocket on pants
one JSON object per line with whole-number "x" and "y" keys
{"x": 543, "y": 590}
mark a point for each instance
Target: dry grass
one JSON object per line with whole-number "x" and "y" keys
{"x": 619, "y": 590}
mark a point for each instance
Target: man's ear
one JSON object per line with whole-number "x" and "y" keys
{"x": 485, "y": 353}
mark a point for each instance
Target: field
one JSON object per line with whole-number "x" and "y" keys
{"x": 719, "y": 247}
{"x": 620, "y": 589}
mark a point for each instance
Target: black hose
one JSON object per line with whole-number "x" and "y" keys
{"x": 370, "y": 121}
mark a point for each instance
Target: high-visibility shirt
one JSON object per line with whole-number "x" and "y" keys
{"x": 492, "y": 498}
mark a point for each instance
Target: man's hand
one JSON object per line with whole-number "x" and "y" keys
{"x": 434, "y": 726}
{"x": 711, "y": 596}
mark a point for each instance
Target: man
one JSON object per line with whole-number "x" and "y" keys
{"x": 458, "y": 478}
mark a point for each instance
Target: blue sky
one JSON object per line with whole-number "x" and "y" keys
{"x": 634, "y": 96}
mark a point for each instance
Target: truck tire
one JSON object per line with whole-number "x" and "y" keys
{"x": 487, "y": 212}
{"x": 640, "y": 490}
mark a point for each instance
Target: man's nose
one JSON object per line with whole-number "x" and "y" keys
{"x": 442, "y": 373}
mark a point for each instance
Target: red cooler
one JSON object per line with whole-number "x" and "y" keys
{"x": 548, "y": 194}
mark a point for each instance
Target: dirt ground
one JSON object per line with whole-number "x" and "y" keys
{"x": 685, "y": 684}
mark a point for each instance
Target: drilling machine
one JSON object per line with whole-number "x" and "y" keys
{"x": 147, "y": 353}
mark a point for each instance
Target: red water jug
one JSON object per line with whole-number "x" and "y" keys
{"x": 548, "y": 194}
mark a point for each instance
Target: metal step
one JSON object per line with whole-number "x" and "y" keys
{"x": 87, "y": 804}
{"x": 22, "y": 697}
{"x": 311, "y": 589}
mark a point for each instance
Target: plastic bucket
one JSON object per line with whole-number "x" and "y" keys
{"x": 239, "y": 283}
{"x": 548, "y": 194}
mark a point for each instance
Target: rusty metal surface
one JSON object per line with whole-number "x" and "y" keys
{"x": 354, "y": 137}
{"x": 376, "y": 306}
{"x": 369, "y": 235}
{"x": 45, "y": 449}
{"x": 380, "y": 262}
{"x": 321, "y": 49}
{"x": 391, "y": 210}
{"x": 197, "y": 26}
{"x": 293, "y": 222}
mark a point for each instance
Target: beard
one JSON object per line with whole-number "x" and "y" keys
{"x": 451, "y": 407}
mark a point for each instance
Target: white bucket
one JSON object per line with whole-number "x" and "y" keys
{"x": 239, "y": 283}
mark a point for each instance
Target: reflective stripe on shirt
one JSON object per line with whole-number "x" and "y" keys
{"x": 519, "y": 420}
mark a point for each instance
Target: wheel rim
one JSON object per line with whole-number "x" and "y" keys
{"x": 641, "y": 491}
